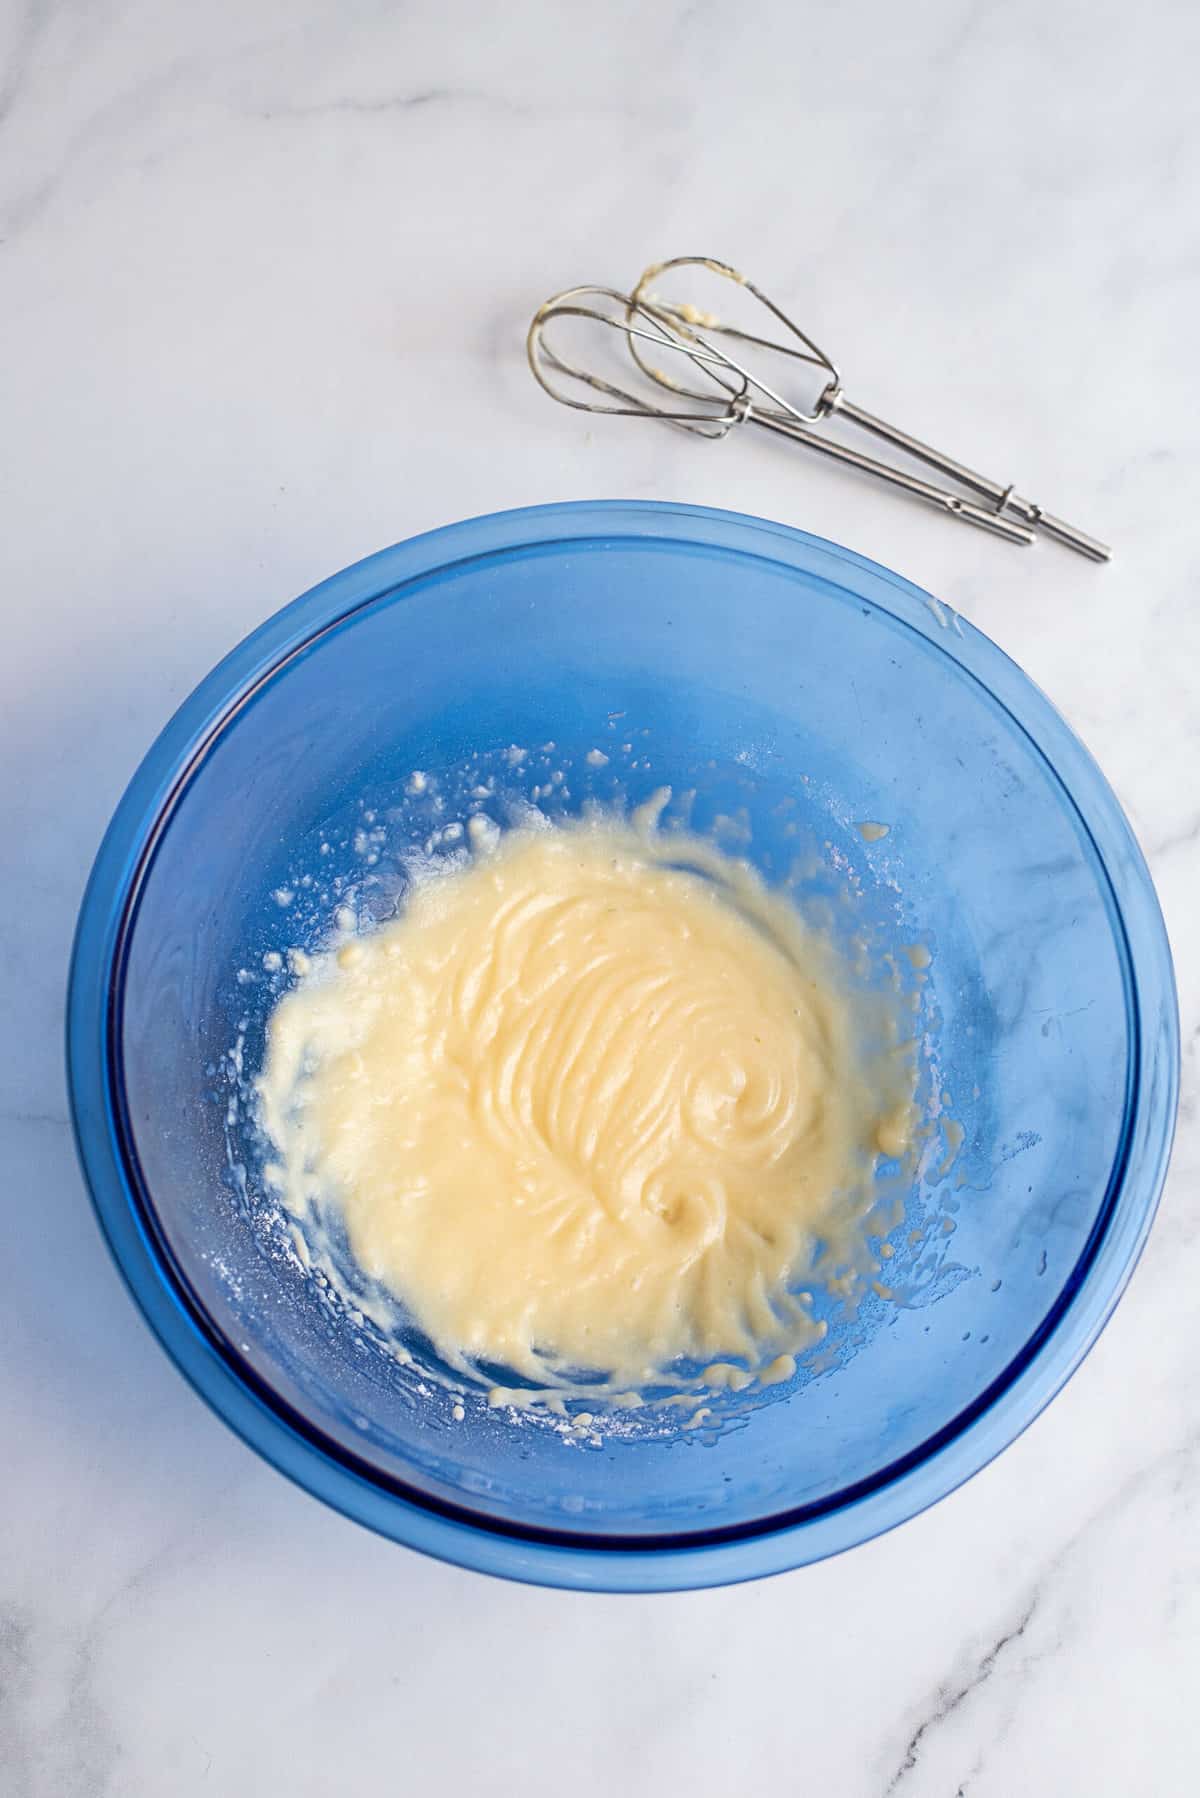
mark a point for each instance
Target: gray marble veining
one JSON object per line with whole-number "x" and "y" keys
{"x": 256, "y": 269}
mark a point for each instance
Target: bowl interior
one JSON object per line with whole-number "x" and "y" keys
{"x": 783, "y": 710}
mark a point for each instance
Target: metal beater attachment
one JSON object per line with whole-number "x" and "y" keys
{"x": 728, "y": 393}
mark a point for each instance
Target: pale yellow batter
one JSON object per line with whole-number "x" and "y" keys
{"x": 585, "y": 1108}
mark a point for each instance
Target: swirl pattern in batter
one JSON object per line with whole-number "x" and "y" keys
{"x": 595, "y": 1101}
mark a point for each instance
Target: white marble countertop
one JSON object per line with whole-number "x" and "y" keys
{"x": 264, "y": 272}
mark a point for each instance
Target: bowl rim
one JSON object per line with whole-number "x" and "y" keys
{"x": 456, "y": 1534}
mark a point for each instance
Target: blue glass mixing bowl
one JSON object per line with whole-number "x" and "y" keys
{"x": 799, "y": 691}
